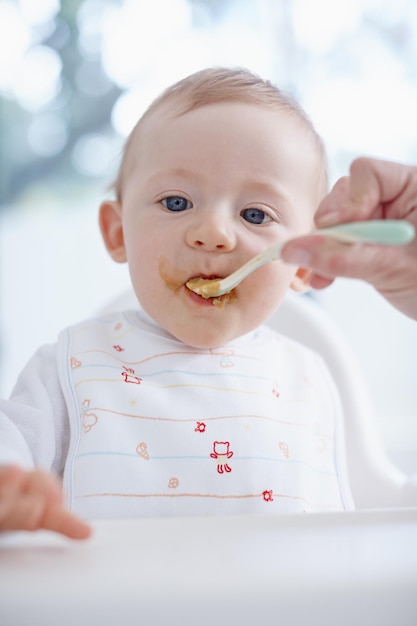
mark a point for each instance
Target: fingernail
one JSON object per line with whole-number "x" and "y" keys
{"x": 298, "y": 256}
{"x": 330, "y": 218}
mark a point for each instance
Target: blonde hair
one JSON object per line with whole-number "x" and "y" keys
{"x": 220, "y": 85}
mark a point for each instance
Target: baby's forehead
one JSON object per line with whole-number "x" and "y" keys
{"x": 144, "y": 136}
{"x": 161, "y": 117}
{"x": 158, "y": 118}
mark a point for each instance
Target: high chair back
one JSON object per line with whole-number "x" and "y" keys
{"x": 375, "y": 481}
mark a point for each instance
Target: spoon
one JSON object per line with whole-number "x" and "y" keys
{"x": 388, "y": 232}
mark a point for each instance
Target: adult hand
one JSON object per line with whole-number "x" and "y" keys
{"x": 33, "y": 500}
{"x": 375, "y": 189}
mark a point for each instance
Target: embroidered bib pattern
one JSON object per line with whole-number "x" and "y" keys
{"x": 159, "y": 428}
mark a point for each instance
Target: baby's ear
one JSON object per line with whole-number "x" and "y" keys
{"x": 110, "y": 219}
{"x": 301, "y": 280}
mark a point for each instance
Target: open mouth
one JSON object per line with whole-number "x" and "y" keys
{"x": 206, "y": 288}
{"x": 176, "y": 279}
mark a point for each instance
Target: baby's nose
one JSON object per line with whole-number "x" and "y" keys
{"x": 211, "y": 235}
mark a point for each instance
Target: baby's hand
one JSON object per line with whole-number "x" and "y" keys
{"x": 33, "y": 500}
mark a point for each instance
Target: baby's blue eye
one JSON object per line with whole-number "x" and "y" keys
{"x": 176, "y": 203}
{"x": 255, "y": 216}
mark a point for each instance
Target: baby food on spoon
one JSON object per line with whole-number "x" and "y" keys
{"x": 207, "y": 288}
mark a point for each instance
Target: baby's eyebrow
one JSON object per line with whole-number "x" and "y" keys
{"x": 178, "y": 172}
{"x": 271, "y": 188}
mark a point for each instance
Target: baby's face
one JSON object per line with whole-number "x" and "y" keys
{"x": 206, "y": 191}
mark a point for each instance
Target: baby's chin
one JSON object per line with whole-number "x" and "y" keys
{"x": 203, "y": 342}
{"x": 206, "y": 338}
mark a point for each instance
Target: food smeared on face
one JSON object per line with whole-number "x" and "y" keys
{"x": 173, "y": 278}
{"x": 207, "y": 288}
{"x": 226, "y": 298}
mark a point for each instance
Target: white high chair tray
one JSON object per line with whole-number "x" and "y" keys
{"x": 327, "y": 569}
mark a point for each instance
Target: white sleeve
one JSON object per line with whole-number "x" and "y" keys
{"x": 34, "y": 425}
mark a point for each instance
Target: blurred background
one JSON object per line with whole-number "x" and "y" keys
{"x": 75, "y": 75}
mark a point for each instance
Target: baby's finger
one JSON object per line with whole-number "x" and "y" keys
{"x": 21, "y": 512}
{"x": 54, "y": 515}
{"x": 60, "y": 520}
{"x": 46, "y": 483}
{"x": 11, "y": 481}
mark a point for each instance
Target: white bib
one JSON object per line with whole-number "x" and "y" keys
{"x": 160, "y": 428}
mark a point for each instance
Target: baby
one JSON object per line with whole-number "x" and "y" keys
{"x": 187, "y": 405}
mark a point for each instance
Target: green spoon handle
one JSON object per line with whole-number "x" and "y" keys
{"x": 389, "y": 232}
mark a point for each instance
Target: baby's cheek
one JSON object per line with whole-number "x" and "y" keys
{"x": 267, "y": 290}
{"x": 144, "y": 280}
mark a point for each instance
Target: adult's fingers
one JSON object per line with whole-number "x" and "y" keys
{"x": 375, "y": 189}
{"x": 330, "y": 259}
